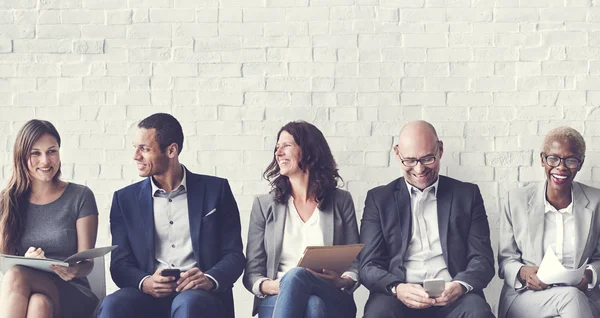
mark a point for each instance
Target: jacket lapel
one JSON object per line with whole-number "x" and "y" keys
{"x": 278, "y": 215}
{"x": 535, "y": 222}
{"x": 195, "y": 199}
{"x": 403, "y": 208}
{"x": 583, "y": 221}
{"x": 327, "y": 223}
{"x": 444, "y": 203}
{"x": 147, "y": 215}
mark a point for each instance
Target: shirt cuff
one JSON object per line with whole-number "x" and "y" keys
{"x": 352, "y": 275}
{"x": 142, "y": 281}
{"x": 594, "y": 277}
{"x": 214, "y": 281}
{"x": 256, "y": 288}
{"x": 467, "y": 286}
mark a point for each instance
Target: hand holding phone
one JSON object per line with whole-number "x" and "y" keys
{"x": 434, "y": 287}
{"x": 174, "y": 272}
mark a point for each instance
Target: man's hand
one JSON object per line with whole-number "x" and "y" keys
{"x": 585, "y": 280}
{"x": 452, "y": 292}
{"x": 270, "y": 287}
{"x": 528, "y": 274}
{"x": 194, "y": 279}
{"x": 35, "y": 252}
{"x": 334, "y": 278}
{"x": 413, "y": 296}
{"x": 159, "y": 286}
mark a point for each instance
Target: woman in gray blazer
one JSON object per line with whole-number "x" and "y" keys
{"x": 558, "y": 215}
{"x": 304, "y": 208}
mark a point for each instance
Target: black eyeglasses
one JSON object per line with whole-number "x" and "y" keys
{"x": 427, "y": 160}
{"x": 554, "y": 161}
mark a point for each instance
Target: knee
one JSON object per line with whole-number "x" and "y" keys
{"x": 112, "y": 304}
{"x": 476, "y": 307}
{"x": 40, "y": 303}
{"x": 315, "y": 307}
{"x": 295, "y": 274}
{"x": 194, "y": 303}
{"x": 568, "y": 293}
{"x": 15, "y": 278}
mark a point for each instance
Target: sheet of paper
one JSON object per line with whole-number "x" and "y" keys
{"x": 551, "y": 271}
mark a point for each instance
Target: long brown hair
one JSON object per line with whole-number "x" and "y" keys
{"x": 13, "y": 199}
{"x": 323, "y": 175}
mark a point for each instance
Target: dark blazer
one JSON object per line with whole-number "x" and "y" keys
{"x": 386, "y": 231}
{"x": 265, "y": 235}
{"x": 216, "y": 238}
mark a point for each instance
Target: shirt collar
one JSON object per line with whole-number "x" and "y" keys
{"x": 183, "y": 183}
{"x": 434, "y": 187}
{"x": 549, "y": 208}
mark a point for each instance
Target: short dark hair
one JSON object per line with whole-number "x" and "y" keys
{"x": 168, "y": 130}
{"x": 316, "y": 158}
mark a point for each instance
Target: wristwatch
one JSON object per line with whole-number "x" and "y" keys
{"x": 391, "y": 288}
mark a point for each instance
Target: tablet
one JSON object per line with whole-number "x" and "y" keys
{"x": 337, "y": 258}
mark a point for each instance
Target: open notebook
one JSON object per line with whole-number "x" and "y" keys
{"x": 6, "y": 261}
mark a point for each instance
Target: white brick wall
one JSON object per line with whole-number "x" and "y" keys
{"x": 492, "y": 76}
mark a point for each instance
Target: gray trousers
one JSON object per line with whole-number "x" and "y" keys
{"x": 565, "y": 302}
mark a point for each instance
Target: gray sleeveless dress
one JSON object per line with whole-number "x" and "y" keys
{"x": 52, "y": 227}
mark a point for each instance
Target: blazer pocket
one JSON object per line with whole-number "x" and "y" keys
{"x": 211, "y": 212}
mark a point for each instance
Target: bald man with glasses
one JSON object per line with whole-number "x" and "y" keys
{"x": 425, "y": 226}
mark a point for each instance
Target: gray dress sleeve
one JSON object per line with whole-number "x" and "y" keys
{"x": 87, "y": 206}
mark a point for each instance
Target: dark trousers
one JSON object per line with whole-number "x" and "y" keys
{"x": 468, "y": 306}
{"x": 131, "y": 303}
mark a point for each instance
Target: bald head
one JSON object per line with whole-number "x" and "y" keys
{"x": 417, "y": 132}
{"x": 418, "y": 142}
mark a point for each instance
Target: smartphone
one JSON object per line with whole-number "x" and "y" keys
{"x": 434, "y": 287}
{"x": 175, "y": 272}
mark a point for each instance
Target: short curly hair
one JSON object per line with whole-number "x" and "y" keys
{"x": 572, "y": 136}
{"x": 316, "y": 158}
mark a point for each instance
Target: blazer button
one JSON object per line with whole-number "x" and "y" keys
{"x": 170, "y": 200}
{"x": 173, "y": 246}
{"x": 170, "y": 222}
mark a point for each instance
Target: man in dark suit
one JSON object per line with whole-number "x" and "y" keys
{"x": 425, "y": 226}
{"x": 173, "y": 219}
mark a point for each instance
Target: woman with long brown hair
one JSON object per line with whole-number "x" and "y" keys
{"x": 305, "y": 207}
{"x": 43, "y": 216}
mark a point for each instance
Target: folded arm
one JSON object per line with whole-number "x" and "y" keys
{"x": 124, "y": 268}
{"x": 480, "y": 267}
{"x": 231, "y": 264}
{"x": 256, "y": 265}
{"x": 374, "y": 258}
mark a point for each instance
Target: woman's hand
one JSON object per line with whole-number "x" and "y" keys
{"x": 270, "y": 287}
{"x": 528, "y": 275}
{"x": 334, "y": 278}
{"x": 35, "y": 252}
{"x": 66, "y": 273}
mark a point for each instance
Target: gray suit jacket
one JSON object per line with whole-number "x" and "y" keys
{"x": 265, "y": 234}
{"x": 522, "y": 228}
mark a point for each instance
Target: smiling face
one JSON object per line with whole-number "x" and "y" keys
{"x": 288, "y": 155}
{"x": 148, "y": 156}
{"x": 421, "y": 176}
{"x": 44, "y": 159}
{"x": 560, "y": 177}
{"x": 418, "y": 140}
